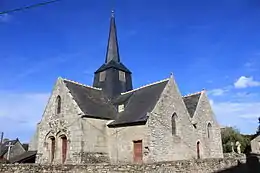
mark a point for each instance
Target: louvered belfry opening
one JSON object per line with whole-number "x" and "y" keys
{"x": 113, "y": 76}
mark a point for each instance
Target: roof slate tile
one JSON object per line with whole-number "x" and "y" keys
{"x": 191, "y": 103}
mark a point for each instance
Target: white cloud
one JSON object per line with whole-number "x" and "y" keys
{"x": 242, "y": 115}
{"x": 246, "y": 95}
{"x": 220, "y": 91}
{"x": 20, "y": 112}
{"x": 248, "y": 64}
{"x": 252, "y": 65}
{"x": 4, "y": 18}
{"x": 244, "y": 82}
{"x": 216, "y": 92}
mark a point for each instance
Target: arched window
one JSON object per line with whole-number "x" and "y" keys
{"x": 174, "y": 117}
{"x": 58, "y": 105}
{"x": 198, "y": 150}
{"x": 209, "y": 130}
{"x": 52, "y": 149}
{"x": 64, "y": 146}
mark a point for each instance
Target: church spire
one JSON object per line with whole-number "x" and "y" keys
{"x": 113, "y": 76}
{"x": 112, "y": 47}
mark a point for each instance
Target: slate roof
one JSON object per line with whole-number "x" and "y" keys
{"x": 4, "y": 147}
{"x": 25, "y": 146}
{"x": 137, "y": 104}
{"x": 113, "y": 64}
{"x": 191, "y": 102}
{"x": 91, "y": 101}
{"x": 23, "y": 157}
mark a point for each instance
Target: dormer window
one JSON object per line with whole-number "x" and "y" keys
{"x": 122, "y": 76}
{"x": 121, "y": 108}
{"x": 102, "y": 76}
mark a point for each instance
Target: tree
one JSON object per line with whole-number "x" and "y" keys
{"x": 231, "y": 134}
{"x": 258, "y": 128}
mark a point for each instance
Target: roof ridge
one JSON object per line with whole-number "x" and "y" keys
{"x": 81, "y": 84}
{"x": 144, "y": 86}
{"x": 192, "y": 94}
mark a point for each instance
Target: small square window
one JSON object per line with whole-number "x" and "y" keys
{"x": 102, "y": 76}
{"x": 122, "y": 76}
{"x": 121, "y": 108}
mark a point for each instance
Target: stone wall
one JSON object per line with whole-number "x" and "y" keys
{"x": 121, "y": 143}
{"x": 165, "y": 146}
{"x": 210, "y": 145}
{"x": 92, "y": 157}
{"x": 54, "y": 124}
{"x": 84, "y": 135}
{"x": 191, "y": 166}
{"x": 234, "y": 155}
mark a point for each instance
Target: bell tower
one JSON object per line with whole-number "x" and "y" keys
{"x": 113, "y": 76}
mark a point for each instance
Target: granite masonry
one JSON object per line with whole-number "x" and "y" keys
{"x": 110, "y": 122}
{"x": 187, "y": 166}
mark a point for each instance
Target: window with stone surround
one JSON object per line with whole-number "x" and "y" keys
{"x": 198, "y": 150}
{"x": 209, "y": 130}
{"x": 122, "y": 76}
{"x": 174, "y": 129}
{"x": 52, "y": 148}
{"x": 58, "y": 105}
{"x": 102, "y": 76}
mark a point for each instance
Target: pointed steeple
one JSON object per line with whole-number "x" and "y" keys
{"x": 112, "y": 46}
{"x": 113, "y": 76}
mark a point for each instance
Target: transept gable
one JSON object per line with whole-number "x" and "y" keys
{"x": 205, "y": 106}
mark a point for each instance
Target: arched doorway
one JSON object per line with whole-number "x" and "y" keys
{"x": 198, "y": 150}
{"x": 64, "y": 146}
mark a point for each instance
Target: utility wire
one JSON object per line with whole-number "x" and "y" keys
{"x": 28, "y": 7}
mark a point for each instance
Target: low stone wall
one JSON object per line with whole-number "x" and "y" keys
{"x": 91, "y": 158}
{"x": 191, "y": 166}
{"x": 234, "y": 155}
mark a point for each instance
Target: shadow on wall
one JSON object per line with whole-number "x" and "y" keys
{"x": 252, "y": 165}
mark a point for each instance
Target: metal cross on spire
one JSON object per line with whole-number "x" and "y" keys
{"x": 112, "y": 13}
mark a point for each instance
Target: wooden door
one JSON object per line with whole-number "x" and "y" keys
{"x": 198, "y": 150}
{"x": 138, "y": 151}
{"x": 64, "y": 148}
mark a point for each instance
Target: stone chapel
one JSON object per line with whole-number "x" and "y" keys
{"x": 112, "y": 122}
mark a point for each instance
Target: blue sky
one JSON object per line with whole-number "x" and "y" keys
{"x": 206, "y": 44}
